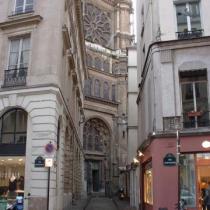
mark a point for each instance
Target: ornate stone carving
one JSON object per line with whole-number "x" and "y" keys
{"x": 97, "y": 25}
{"x": 96, "y": 136}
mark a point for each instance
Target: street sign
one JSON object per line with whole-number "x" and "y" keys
{"x": 49, "y": 148}
{"x": 48, "y": 162}
{"x": 169, "y": 160}
{"x": 39, "y": 162}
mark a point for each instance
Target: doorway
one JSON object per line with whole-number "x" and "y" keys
{"x": 95, "y": 181}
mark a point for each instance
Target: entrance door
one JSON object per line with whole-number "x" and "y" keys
{"x": 95, "y": 177}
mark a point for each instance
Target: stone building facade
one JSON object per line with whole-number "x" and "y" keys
{"x": 42, "y": 62}
{"x": 107, "y": 34}
{"x": 173, "y": 101}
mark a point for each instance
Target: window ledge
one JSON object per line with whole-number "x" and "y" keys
{"x": 20, "y": 15}
{"x": 24, "y": 20}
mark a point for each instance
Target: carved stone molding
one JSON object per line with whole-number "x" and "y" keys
{"x": 31, "y": 20}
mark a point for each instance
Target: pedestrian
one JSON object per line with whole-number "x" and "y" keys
{"x": 202, "y": 199}
{"x": 207, "y": 197}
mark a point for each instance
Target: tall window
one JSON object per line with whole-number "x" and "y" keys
{"x": 13, "y": 127}
{"x": 188, "y": 17}
{"x": 113, "y": 92}
{"x": 97, "y": 88}
{"x": 88, "y": 85}
{"x": 148, "y": 188}
{"x": 194, "y": 98}
{"x": 23, "y": 6}
{"x": 106, "y": 90}
{"x": 19, "y": 53}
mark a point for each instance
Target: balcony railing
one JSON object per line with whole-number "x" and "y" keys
{"x": 196, "y": 119}
{"x": 15, "y": 77}
{"x": 190, "y": 34}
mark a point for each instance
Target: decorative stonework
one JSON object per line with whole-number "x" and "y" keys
{"x": 96, "y": 136}
{"x": 97, "y": 24}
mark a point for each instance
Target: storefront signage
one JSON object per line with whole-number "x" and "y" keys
{"x": 169, "y": 160}
{"x": 39, "y": 162}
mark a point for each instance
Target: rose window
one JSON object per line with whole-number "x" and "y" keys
{"x": 97, "y": 25}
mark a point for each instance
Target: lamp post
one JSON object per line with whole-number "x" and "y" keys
{"x": 178, "y": 165}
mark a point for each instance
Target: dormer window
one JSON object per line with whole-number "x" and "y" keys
{"x": 23, "y": 6}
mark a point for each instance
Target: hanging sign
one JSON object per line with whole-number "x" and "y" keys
{"x": 39, "y": 162}
{"x": 169, "y": 160}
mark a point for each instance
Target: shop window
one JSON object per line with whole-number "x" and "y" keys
{"x": 12, "y": 170}
{"x": 148, "y": 188}
{"x": 187, "y": 179}
{"x": 13, "y": 127}
{"x": 194, "y": 99}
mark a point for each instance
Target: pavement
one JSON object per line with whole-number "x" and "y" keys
{"x": 81, "y": 204}
{"x": 122, "y": 204}
{"x": 102, "y": 203}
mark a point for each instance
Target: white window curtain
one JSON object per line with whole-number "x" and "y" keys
{"x": 23, "y": 6}
{"x": 19, "y": 53}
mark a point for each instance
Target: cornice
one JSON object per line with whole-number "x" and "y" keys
{"x": 21, "y": 21}
{"x": 101, "y": 100}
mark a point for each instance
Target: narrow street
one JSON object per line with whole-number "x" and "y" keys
{"x": 101, "y": 203}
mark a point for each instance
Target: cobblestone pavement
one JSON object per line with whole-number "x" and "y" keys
{"x": 101, "y": 203}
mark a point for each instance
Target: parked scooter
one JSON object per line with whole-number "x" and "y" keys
{"x": 18, "y": 205}
{"x": 121, "y": 193}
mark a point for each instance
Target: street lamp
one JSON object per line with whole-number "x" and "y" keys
{"x": 206, "y": 144}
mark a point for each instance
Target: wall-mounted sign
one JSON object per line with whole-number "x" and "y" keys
{"x": 169, "y": 160}
{"x": 49, "y": 148}
{"x": 39, "y": 162}
{"x": 48, "y": 162}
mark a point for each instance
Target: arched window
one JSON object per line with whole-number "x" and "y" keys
{"x": 106, "y": 90}
{"x": 88, "y": 85}
{"x": 106, "y": 66}
{"x": 98, "y": 64}
{"x": 13, "y": 127}
{"x": 97, "y": 88}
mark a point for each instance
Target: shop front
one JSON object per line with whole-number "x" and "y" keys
{"x": 163, "y": 181}
{"x": 13, "y": 125}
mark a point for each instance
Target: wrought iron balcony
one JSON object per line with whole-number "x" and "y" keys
{"x": 196, "y": 119}
{"x": 15, "y": 77}
{"x": 190, "y": 34}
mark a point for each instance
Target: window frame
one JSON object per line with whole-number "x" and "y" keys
{"x": 20, "y": 50}
{"x": 24, "y": 7}
{"x": 15, "y": 132}
{"x": 188, "y": 18}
